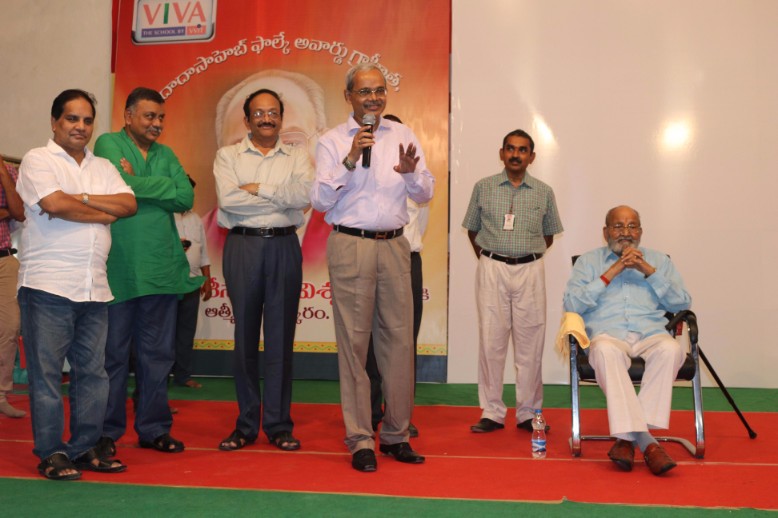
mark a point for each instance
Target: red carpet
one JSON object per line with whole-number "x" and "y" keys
{"x": 737, "y": 471}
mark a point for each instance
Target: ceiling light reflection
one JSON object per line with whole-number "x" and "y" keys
{"x": 676, "y": 135}
{"x": 542, "y": 132}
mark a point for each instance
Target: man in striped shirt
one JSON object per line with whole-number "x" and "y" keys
{"x": 511, "y": 221}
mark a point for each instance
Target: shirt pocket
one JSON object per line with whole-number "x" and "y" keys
{"x": 535, "y": 220}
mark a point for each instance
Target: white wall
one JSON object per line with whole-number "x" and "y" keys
{"x": 45, "y": 47}
{"x": 606, "y": 77}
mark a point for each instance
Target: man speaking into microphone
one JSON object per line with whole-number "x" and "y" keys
{"x": 369, "y": 260}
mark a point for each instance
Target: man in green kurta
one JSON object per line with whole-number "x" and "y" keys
{"x": 147, "y": 270}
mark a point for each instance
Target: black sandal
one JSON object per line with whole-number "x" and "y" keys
{"x": 163, "y": 443}
{"x": 237, "y": 438}
{"x": 105, "y": 448}
{"x": 285, "y": 441}
{"x": 86, "y": 463}
{"x": 52, "y": 467}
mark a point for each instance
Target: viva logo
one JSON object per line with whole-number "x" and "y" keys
{"x": 175, "y": 13}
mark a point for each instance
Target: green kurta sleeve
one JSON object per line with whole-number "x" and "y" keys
{"x": 170, "y": 190}
{"x": 146, "y": 255}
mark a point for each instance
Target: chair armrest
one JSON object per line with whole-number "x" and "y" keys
{"x": 690, "y": 318}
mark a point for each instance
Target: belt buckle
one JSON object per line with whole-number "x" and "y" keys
{"x": 266, "y": 232}
{"x": 382, "y": 235}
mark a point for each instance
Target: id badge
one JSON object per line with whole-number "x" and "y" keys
{"x": 508, "y": 223}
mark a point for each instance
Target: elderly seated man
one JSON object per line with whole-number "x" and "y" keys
{"x": 622, "y": 292}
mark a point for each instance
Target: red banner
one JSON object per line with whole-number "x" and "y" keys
{"x": 206, "y": 56}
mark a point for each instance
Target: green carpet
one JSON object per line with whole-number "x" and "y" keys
{"x": 34, "y": 498}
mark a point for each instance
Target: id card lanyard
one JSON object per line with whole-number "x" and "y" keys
{"x": 510, "y": 217}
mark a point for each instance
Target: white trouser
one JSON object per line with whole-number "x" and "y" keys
{"x": 511, "y": 303}
{"x": 628, "y": 411}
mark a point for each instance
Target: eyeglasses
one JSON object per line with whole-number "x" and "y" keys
{"x": 260, "y": 114}
{"x": 364, "y": 92}
{"x": 618, "y": 227}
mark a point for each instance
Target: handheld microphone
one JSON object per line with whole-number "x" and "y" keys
{"x": 367, "y": 120}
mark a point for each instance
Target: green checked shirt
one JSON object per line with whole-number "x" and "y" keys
{"x": 533, "y": 205}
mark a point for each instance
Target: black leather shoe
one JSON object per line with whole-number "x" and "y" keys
{"x": 527, "y": 425}
{"x": 364, "y": 460}
{"x": 413, "y": 431}
{"x": 486, "y": 425}
{"x": 402, "y": 452}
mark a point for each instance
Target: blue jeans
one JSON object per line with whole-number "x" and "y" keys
{"x": 148, "y": 325}
{"x": 56, "y": 328}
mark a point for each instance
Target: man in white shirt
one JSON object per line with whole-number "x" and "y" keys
{"x": 70, "y": 199}
{"x": 262, "y": 187}
{"x": 192, "y": 235}
{"x": 369, "y": 260}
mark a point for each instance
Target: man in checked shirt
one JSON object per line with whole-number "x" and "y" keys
{"x": 511, "y": 221}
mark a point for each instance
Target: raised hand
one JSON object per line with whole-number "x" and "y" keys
{"x": 408, "y": 160}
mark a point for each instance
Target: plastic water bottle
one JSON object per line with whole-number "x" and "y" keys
{"x": 538, "y": 435}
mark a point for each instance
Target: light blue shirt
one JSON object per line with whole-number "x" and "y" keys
{"x": 631, "y": 302}
{"x": 370, "y": 198}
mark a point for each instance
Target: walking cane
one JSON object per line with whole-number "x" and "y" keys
{"x": 691, "y": 321}
{"x": 751, "y": 433}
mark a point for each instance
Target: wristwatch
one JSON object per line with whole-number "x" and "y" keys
{"x": 349, "y": 164}
{"x": 84, "y": 198}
